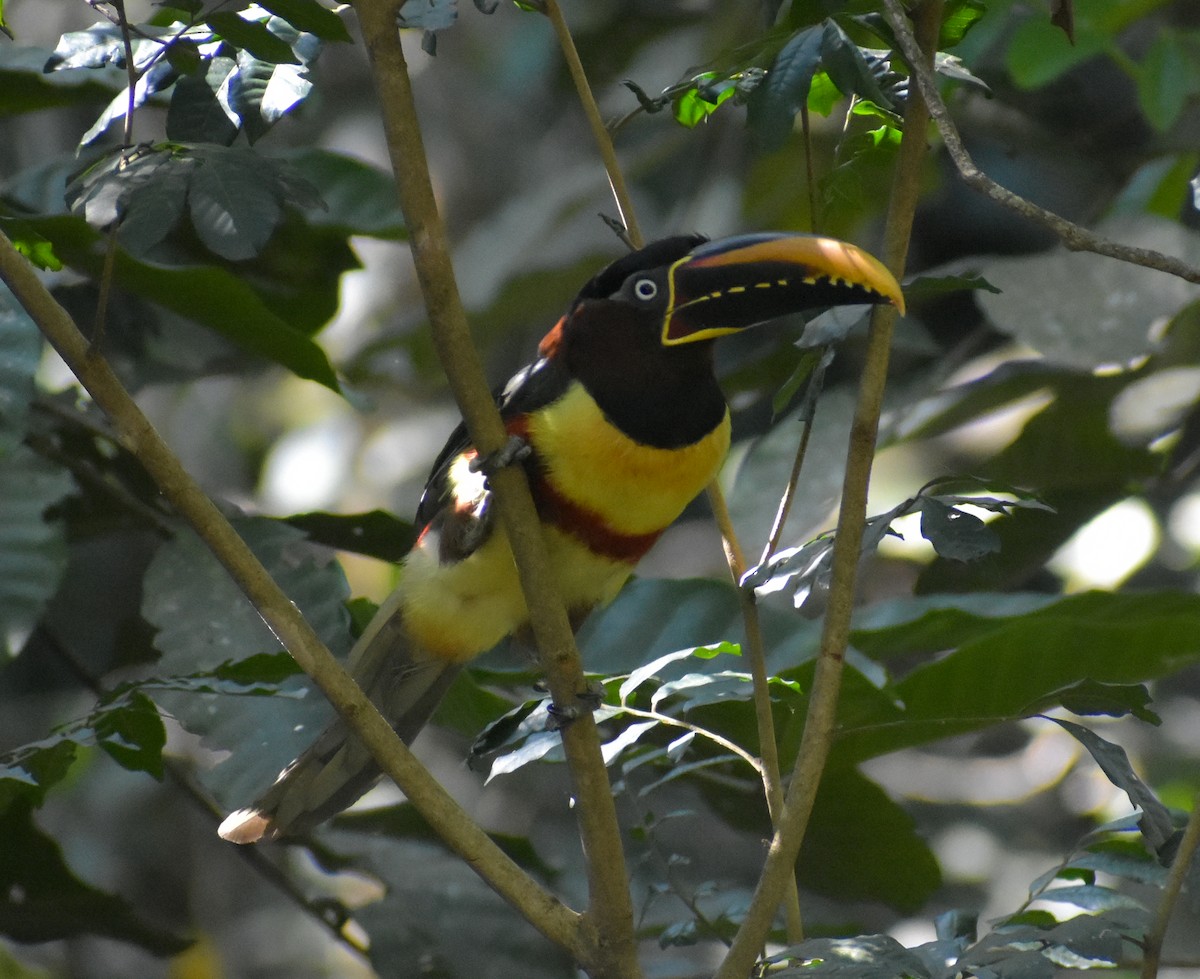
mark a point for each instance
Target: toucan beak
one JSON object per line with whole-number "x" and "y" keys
{"x": 724, "y": 286}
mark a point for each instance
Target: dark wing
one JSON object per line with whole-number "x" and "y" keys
{"x": 458, "y": 507}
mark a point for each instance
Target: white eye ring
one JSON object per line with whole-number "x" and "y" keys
{"x": 645, "y": 289}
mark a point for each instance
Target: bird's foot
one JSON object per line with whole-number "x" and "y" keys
{"x": 514, "y": 450}
{"x": 587, "y": 701}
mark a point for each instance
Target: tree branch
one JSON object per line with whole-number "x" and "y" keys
{"x": 1179, "y": 871}
{"x": 610, "y": 944}
{"x": 822, "y": 709}
{"x": 1072, "y": 235}
{"x": 551, "y": 917}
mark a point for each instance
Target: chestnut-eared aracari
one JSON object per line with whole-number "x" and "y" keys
{"x": 624, "y": 424}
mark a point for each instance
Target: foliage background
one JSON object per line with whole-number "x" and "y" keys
{"x": 1045, "y": 385}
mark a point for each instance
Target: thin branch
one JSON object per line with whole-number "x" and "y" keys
{"x": 136, "y": 434}
{"x": 772, "y": 781}
{"x": 703, "y": 732}
{"x": 1072, "y": 235}
{"x": 822, "y": 711}
{"x": 607, "y": 946}
{"x": 1179, "y": 869}
{"x": 599, "y": 131}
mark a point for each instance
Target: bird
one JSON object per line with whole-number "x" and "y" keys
{"x": 619, "y": 423}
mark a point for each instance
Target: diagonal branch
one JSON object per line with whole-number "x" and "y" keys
{"x": 1072, "y": 235}
{"x": 822, "y": 710}
{"x": 610, "y": 916}
{"x": 552, "y": 918}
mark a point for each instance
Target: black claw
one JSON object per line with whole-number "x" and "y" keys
{"x": 561, "y": 717}
{"x": 514, "y": 450}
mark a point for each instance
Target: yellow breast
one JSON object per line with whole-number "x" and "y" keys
{"x": 635, "y": 489}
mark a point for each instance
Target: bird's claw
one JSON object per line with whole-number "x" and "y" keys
{"x": 587, "y": 701}
{"x": 514, "y": 450}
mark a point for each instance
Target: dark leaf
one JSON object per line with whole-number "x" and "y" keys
{"x": 862, "y": 845}
{"x": 229, "y": 209}
{"x": 1090, "y": 697}
{"x": 1062, "y": 16}
{"x": 955, "y": 533}
{"x": 309, "y": 16}
{"x": 360, "y": 199}
{"x": 33, "y": 549}
{"x": 924, "y": 287}
{"x": 133, "y": 734}
{"x": 20, "y": 353}
{"x": 196, "y": 113}
{"x": 29, "y": 772}
{"x": 773, "y": 105}
{"x": 1156, "y": 823}
{"x": 251, "y": 36}
{"x": 403, "y": 822}
{"x": 847, "y": 67}
{"x": 864, "y": 957}
{"x": 377, "y": 533}
{"x": 209, "y": 295}
{"x": 41, "y": 898}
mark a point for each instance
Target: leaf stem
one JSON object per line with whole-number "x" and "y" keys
{"x": 822, "y": 713}
{"x": 1179, "y": 870}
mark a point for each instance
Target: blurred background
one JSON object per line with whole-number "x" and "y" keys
{"x": 1104, "y": 132}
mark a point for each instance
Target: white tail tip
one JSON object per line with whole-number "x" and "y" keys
{"x": 246, "y": 826}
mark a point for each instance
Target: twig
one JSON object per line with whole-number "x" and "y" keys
{"x": 733, "y": 552}
{"x": 703, "y": 732}
{"x": 606, "y": 945}
{"x": 136, "y": 434}
{"x": 822, "y": 710}
{"x": 1179, "y": 869}
{"x": 1072, "y": 235}
{"x": 599, "y": 131}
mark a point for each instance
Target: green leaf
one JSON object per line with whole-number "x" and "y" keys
{"x": 924, "y": 286}
{"x": 377, "y": 533}
{"x": 309, "y": 16}
{"x": 862, "y": 957}
{"x": 229, "y": 209}
{"x": 29, "y": 772}
{"x": 1130, "y": 638}
{"x": 862, "y": 845}
{"x": 403, "y": 822}
{"x": 1166, "y": 79}
{"x": 133, "y": 734}
{"x": 847, "y": 67}
{"x": 33, "y": 549}
{"x": 197, "y": 113}
{"x": 252, "y": 36}
{"x": 1090, "y": 698}
{"x": 360, "y": 198}
{"x": 1038, "y": 53}
{"x": 209, "y": 295}
{"x": 41, "y": 898}
{"x": 958, "y": 17}
{"x": 700, "y": 101}
{"x": 773, "y": 105}
{"x": 20, "y": 354}
{"x": 1156, "y": 823}
{"x": 192, "y": 638}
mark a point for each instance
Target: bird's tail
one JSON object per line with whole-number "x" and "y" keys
{"x": 405, "y": 682}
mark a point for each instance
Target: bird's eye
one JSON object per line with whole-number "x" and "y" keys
{"x": 645, "y": 289}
